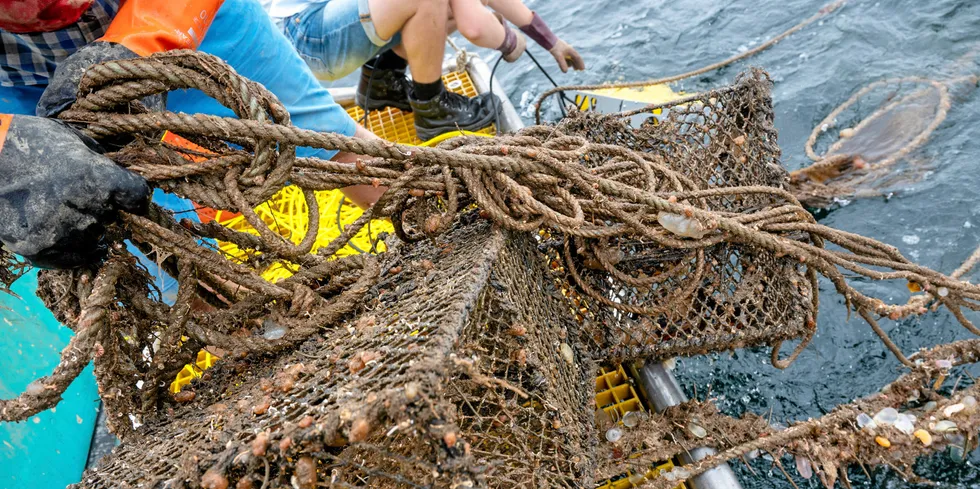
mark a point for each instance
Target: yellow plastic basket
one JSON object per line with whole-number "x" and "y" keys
{"x": 614, "y": 394}
{"x": 399, "y": 127}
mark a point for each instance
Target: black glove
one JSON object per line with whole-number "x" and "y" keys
{"x": 59, "y": 192}
{"x": 63, "y": 89}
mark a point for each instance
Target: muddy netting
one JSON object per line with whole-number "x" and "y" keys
{"x": 664, "y": 301}
{"x": 466, "y": 355}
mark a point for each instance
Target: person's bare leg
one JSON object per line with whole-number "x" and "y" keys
{"x": 423, "y": 27}
{"x": 363, "y": 196}
{"x": 422, "y": 24}
{"x": 400, "y": 49}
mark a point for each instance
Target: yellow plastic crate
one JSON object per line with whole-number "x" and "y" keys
{"x": 399, "y": 127}
{"x": 287, "y": 214}
{"x": 614, "y": 394}
{"x": 192, "y": 371}
{"x": 628, "y": 480}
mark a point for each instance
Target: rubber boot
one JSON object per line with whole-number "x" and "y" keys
{"x": 380, "y": 88}
{"x": 450, "y": 111}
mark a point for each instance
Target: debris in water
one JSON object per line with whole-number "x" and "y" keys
{"x": 682, "y": 226}
{"x": 886, "y": 416}
{"x": 636, "y": 479}
{"x": 804, "y": 467}
{"x": 613, "y": 435}
{"x": 953, "y": 409}
{"x": 865, "y": 421}
{"x": 930, "y": 406}
{"x": 942, "y": 291}
{"x": 924, "y": 437}
{"x": 944, "y": 426}
{"x": 697, "y": 430}
{"x": 272, "y": 330}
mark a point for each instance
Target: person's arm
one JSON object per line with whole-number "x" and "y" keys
{"x": 485, "y": 28}
{"x": 513, "y": 10}
{"x": 153, "y": 26}
{"x": 140, "y": 28}
{"x": 363, "y": 196}
{"x": 59, "y": 192}
{"x": 534, "y": 27}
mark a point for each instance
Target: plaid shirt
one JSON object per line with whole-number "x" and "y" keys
{"x": 30, "y": 59}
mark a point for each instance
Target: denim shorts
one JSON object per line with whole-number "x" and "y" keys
{"x": 336, "y": 37}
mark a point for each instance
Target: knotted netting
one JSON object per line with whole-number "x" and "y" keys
{"x": 455, "y": 359}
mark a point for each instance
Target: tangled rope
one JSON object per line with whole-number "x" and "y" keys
{"x": 603, "y": 198}
{"x": 842, "y": 172}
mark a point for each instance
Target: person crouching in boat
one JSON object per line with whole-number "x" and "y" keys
{"x": 383, "y": 37}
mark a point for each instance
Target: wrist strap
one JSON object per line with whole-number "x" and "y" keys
{"x": 510, "y": 42}
{"x": 540, "y": 32}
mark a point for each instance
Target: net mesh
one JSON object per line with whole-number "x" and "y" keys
{"x": 455, "y": 359}
{"x": 464, "y": 365}
{"x": 458, "y": 372}
{"x": 664, "y": 302}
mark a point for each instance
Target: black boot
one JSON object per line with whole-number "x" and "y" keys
{"x": 380, "y": 88}
{"x": 450, "y": 111}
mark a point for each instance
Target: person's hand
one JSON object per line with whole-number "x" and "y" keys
{"x": 517, "y": 48}
{"x": 63, "y": 88}
{"x": 59, "y": 192}
{"x": 563, "y": 52}
{"x": 566, "y": 56}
